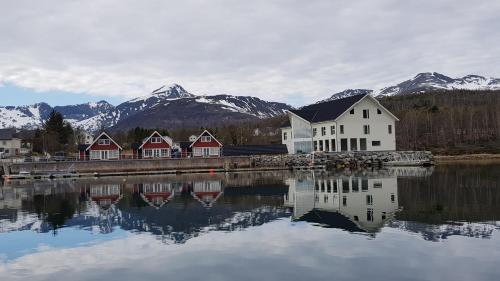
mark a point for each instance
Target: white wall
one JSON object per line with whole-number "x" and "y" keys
{"x": 11, "y": 145}
{"x": 288, "y": 141}
{"x": 353, "y": 126}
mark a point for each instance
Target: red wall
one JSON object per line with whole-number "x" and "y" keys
{"x": 150, "y": 145}
{"x": 111, "y": 146}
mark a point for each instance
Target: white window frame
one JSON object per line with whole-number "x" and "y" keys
{"x": 104, "y": 141}
{"x": 206, "y": 139}
{"x": 155, "y": 140}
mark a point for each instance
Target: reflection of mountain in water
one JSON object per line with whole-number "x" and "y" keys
{"x": 356, "y": 202}
{"x": 175, "y": 208}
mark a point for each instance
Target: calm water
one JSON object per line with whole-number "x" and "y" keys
{"x": 441, "y": 223}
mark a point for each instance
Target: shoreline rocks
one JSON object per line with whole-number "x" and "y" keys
{"x": 346, "y": 159}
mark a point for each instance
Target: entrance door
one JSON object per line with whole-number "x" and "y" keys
{"x": 362, "y": 144}
{"x": 104, "y": 155}
{"x": 156, "y": 153}
{"x": 343, "y": 144}
{"x": 354, "y": 144}
{"x": 206, "y": 151}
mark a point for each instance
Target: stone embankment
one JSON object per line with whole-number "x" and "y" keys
{"x": 347, "y": 159}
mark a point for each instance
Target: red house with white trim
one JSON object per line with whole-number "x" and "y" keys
{"x": 154, "y": 146}
{"x": 206, "y": 145}
{"x": 102, "y": 148}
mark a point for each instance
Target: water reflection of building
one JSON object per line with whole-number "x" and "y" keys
{"x": 351, "y": 202}
{"x": 104, "y": 195}
{"x": 207, "y": 192}
{"x": 155, "y": 194}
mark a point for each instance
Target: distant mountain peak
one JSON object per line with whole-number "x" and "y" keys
{"x": 172, "y": 91}
{"x": 347, "y": 93}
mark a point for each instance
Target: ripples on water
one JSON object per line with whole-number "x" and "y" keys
{"x": 392, "y": 224}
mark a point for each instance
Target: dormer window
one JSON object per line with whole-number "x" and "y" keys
{"x": 206, "y": 139}
{"x": 104, "y": 142}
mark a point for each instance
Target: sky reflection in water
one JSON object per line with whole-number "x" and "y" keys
{"x": 403, "y": 224}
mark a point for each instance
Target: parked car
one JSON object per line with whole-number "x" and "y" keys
{"x": 59, "y": 156}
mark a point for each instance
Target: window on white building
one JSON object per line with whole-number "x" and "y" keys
{"x": 389, "y": 129}
{"x": 341, "y": 129}
{"x": 321, "y": 145}
{"x": 315, "y": 131}
{"x": 285, "y": 136}
{"x": 366, "y": 113}
{"x": 315, "y": 145}
{"x": 165, "y": 153}
{"x": 332, "y": 130}
{"x": 375, "y": 143}
{"x": 379, "y": 111}
{"x": 369, "y": 200}
{"x": 352, "y": 111}
{"x": 323, "y": 131}
{"x": 377, "y": 184}
{"x": 366, "y": 129}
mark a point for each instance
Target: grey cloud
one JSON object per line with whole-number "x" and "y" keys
{"x": 292, "y": 51}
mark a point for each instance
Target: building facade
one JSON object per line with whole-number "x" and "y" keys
{"x": 357, "y": 123}
{"x": 10, "y": 143}
{"x": 102, "y": 148}
{"x": 206, "y": 145}
{"x": 155, "y": 146}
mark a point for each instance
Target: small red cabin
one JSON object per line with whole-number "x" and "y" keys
{"x": 102, "y": 148}
{"x": 206, "y": 145}
{"x": 155, "y": 146}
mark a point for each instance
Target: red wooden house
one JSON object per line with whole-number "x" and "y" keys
{"x": 155, "y": 146}
{"x": 206, "y": 145}
{"x": 102, "y": 148}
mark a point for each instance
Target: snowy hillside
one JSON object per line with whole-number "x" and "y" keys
{"x": 140, "y": 111}
{"x": 426, "y": 82}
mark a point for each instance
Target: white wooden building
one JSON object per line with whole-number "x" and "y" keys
{"x": 356, "y": 123}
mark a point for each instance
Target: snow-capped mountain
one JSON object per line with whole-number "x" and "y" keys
{"x": 168, "y": 106}
{"x": 24, "y": 117}
{"x": 426, "y": 82}
{"x": 347, "y": 93}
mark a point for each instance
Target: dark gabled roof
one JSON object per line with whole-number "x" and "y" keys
{"x": 82, "y": 147}
{"x": 8, "y": 134}
{"x": 331, "y": 220}
{"x": 185, "y": 144}
{"x": 326, "y": 111}
{"x": 245, "y": 150}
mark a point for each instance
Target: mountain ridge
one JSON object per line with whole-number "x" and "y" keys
{"x": 173, "y": 106}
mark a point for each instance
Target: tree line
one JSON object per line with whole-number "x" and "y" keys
{"x": 447, "y": 122}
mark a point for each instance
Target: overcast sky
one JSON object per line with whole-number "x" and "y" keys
{"x": 289, "y": 51}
